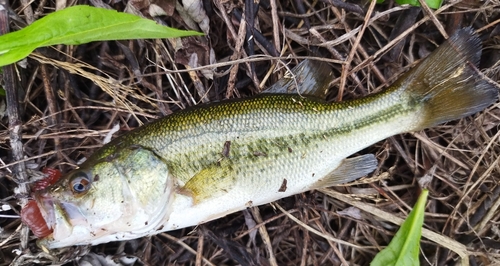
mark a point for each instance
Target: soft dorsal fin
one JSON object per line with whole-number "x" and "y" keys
{"x": 309, "y": 78}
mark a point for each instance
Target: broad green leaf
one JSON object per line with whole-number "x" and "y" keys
{"x": 81, "y": 24}
{"x": 435, "y": 4}
{"x": 404, "y": 248}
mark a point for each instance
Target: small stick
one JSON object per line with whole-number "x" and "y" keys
{"x": 276, "y": 27}
{"x": 186, "y": 246}
{"x": 345, "y": 68}
{"x": 433, "y": 17}
{"x": 51, "y": 103}
{"x": 265, "y": 236}
{"x": 199, "y": 251}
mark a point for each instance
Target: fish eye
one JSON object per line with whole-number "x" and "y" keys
{"x": 79, "y": 183}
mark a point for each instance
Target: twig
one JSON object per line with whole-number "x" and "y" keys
{"x": 276, "y": 25}
{"x": 187, "y": 247}
{"x": 240, "y": 39}
{"x": 199, "y": 251}
{"x": 345, "y": 68}
{"x": 299, "y": 4}
{"x": 314, "y": 231}
{"x": 51, "y": 103}
{"x": 433, "y": 17}
{"x": 399, "y": 38}
{"x": 28, "y": 11}
{"x": 493, "y": 207}
{"x": 488, "y": 26}
{"x": 265, "y": 236}
{"x": 345, "y": 5}
{"x": 486, "y": 173}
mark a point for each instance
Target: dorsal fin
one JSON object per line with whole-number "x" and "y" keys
{"x": 309, "y": 78}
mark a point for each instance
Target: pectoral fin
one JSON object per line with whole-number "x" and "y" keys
{"x": 349, "y": 170}
{"x": 212, "y": 181}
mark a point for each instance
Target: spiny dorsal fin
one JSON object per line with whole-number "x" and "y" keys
{"x": 309, "y": 78}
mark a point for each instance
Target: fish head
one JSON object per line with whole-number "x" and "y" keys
{"x": 121, "y": 196}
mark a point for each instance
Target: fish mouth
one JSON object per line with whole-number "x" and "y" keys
{"x": 45, "y": 217}
{"x": 52, "y": 221}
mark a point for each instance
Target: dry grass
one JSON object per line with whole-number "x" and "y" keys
{"x": 72, "y": 96}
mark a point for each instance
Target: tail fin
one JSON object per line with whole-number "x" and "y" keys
{"x": 448, "y": 83}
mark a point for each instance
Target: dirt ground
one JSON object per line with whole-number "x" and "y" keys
{"x": 71, "y": 97}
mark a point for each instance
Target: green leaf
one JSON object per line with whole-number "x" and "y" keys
{"x": 409, "y": 2}
{"x": 81, "y": 24}
{"x": 404, "y": 248}
{"x": 435, "y": 4}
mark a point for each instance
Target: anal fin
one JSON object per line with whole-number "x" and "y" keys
{"x": 349, "y": 170}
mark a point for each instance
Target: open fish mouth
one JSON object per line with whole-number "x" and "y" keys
{"x": 52, "y": 221}
{"x": 46, "y": 217}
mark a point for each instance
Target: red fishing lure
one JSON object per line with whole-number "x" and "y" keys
{"x": 30, "y": 214}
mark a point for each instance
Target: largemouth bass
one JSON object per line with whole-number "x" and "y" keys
{"x": 205, "y": 162}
